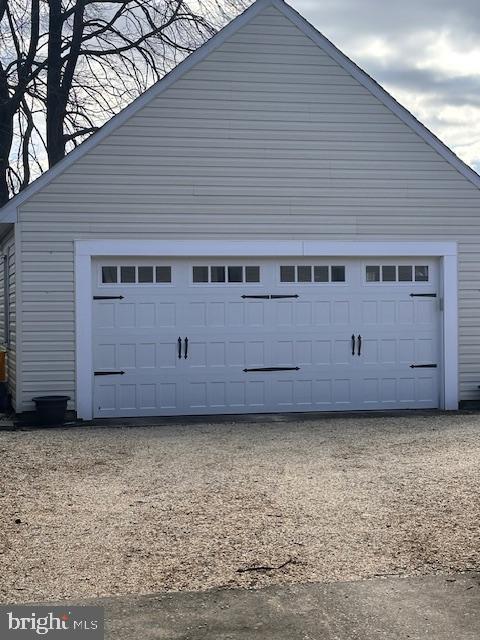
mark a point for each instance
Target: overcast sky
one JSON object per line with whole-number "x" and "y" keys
{"x": 426, "y": 53}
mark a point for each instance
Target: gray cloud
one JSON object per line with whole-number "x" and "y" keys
{"x": 413, "y": 68}
{"x": 457, "y": 90}
{"x": 393, "y": 18}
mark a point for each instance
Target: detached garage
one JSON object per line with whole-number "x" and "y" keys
{"x": 264, "y": 230}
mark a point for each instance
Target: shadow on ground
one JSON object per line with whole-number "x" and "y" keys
{"x": 439, "y": 607}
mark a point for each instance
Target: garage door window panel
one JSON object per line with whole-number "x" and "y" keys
{"x": 421, "y": 273}
{"x": 225, "y": 274}
{"x": 373, "y": 273}
{"x": 252, "y": 275}
{"x": 389, "y": 273}
{"x": 405, "y": 274}
{"x": 127, "y": 275}
{"x": 235, "y": 274}
{"x": 320, "y": 274}
{"x": 135, "y": 275}
{"x": 312, "y": 274}
{"x": 217, "y": 274}
{"x": 338, "y": 274}
{"x": 396, "y": 273}
{"x": 163, "y": 275}
{"x": 200, "y": 274}
{"x": 304, "y": 274}
{"x": 145, "y": 275}
{"x": 287, "y": 274}
{"x": 109, "y": 275}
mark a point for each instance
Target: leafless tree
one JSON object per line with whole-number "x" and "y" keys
{"x": 66, "y": 66}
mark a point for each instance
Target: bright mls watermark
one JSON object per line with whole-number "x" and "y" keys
{"x": 25, "y": 622}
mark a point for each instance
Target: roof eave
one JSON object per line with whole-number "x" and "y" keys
{"x": 8, "y": 213}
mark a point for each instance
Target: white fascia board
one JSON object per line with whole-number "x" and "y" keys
{"x": 186, "y": 248}
{"x": 379, "y": 249}
{"x": 379, "y": 92}
{"x": 8, "y": 213}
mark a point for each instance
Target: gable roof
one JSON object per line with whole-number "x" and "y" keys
{"x": 8, "y": 213}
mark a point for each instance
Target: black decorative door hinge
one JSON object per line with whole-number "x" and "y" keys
{"x": 423, "y": 366}
{"x": 108, "y": 297}
{"x": 281, "y": 297}
{"x": 423, "y": 295}
{"x": 109, "y": 373}
{"x": 256, "y": 297}
{"x": 270, "y": 297}
{"x": 271, "y": 369}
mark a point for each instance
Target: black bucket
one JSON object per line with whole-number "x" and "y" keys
{"x": 51, "y": 410}
{"x": 4, "y": 399}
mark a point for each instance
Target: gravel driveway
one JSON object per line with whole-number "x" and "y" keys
{"x": 101, "y": 511}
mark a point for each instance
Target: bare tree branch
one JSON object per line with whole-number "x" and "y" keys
{"x": 26, "y": 137}
{"x": 66, "y": 66}
{"x": 81, "y": 132}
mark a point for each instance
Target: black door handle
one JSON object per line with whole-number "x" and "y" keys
{"x": 179, "y": 348}
{"x": 186, "y": 348}
{"x": 359, "y": 345}
{"x": 353, "y": 345}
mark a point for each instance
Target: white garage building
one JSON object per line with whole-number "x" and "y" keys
{"x": 264, "y": 230}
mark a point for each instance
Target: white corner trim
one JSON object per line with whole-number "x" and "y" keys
{"x": 83, "y": 336}
{"x": 450, "y": 332}
{"x": 19, "y": 327}
{"x": 85, "y": 250}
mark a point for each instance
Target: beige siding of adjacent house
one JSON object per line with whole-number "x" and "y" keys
{"x": 8, "y": 331}
{"x": 266, "y": 138}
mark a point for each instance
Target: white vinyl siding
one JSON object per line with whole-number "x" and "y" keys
{"x": 268, "y": 137}
{"x": 9, "y": 341}
{"x": 3, "y": 243}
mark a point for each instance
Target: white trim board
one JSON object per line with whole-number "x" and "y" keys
{"x": 9, "y": 212}
{"x": 260, "y": 248}
{"x": 85, "y": 250}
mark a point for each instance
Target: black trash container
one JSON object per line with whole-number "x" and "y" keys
{"x": 51, "y": 410}
{"x": 4, "y": 399}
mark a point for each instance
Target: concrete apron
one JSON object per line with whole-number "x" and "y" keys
{"x": 433, "y": 607}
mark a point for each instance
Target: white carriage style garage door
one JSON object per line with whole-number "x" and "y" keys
{"x": 204, "y": 336}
